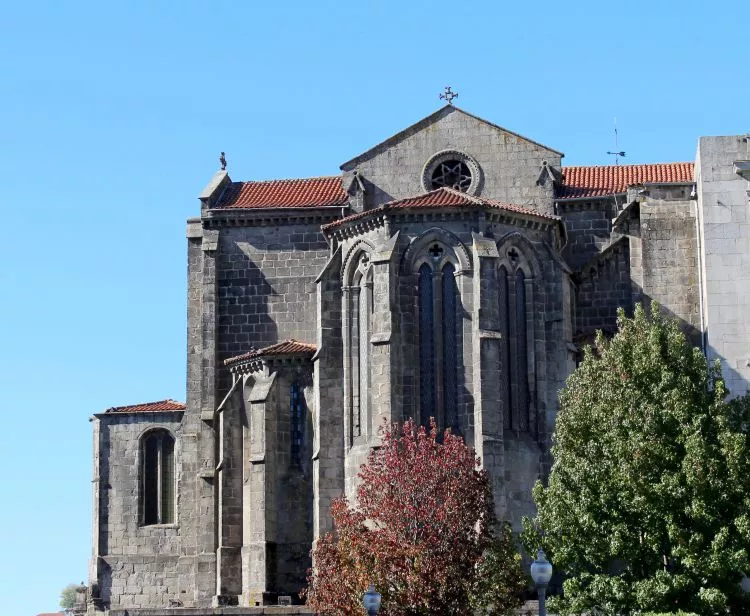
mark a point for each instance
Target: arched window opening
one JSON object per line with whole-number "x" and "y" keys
{"x": 158, "y": 478}
{"x": 296, "y": 423}
{"x": 426, "y": 345}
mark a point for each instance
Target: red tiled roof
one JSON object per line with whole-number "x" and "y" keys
{"x": 303, "y": 192}
{"x": 287, "y": 347}
{"x": 582, "y": 182}
{"x": 441, "y": 197}
{"x": 149, "y": 407}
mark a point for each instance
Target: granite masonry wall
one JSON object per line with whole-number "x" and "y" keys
{"x": 137, "y": 564}
{"x": 723, "y": 177}
{"x": 510, "y": 164}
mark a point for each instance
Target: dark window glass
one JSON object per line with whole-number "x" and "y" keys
{"x": 426, "y": 345}
{"x": 522, "y": 369}
{"x": 450, "y": 346}
{"x": 158, "y": 478}
{"x": 505, "y": 376}
{"x": 297, "y": 422}
{"x": 167, "y": 480}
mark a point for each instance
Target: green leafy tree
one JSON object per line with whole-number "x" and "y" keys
{"x": 647, "y": 507}
{"x": 420, "y": 531}
{"x": 68, "y": 596}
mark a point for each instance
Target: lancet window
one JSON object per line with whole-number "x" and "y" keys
{"x": 157, "y": 477}
{"x": 514, "y": 290}
{"x": 438, "y": 305}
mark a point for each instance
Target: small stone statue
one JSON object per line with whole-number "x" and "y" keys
{"x": 223, "y": 161}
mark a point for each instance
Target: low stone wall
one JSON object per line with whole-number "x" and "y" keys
{"x": 216, "y": 611}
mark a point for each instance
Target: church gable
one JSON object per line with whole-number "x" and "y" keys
{"x": 454, "y": 149}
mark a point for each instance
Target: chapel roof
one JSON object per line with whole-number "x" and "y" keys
{"x": 601, "y": 181}
{"x": 294, "y": 193}
{"x": 439, "y": 198}
{"x": 149, "y": 407}
{"x": 286, "y": 347}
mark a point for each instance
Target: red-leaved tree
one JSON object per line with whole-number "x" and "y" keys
{"x": 419, "y": 530}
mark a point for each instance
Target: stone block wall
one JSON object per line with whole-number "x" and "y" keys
{"x": 602, "y": 286}
{"x": 136, "y": 564}
{"x": 724, "y": 253}
{"x": 266, "y": 285}
{"x": 667, "y": 269}
{"x": 510, "y": 164}
{"x": 589, "y": 227}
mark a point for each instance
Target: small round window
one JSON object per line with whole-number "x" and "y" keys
{"x": 451, "y": 169}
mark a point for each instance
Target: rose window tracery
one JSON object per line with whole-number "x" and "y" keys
{"x": 451, "y": 174}
{"x": 452, "y": 169}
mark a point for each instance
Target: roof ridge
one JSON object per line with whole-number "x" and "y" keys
{"x": 302, "y": 179}
{"x": 679, "y": 162}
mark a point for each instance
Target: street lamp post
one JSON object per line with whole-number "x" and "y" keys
{"x": 541, "y": 573}
{"x": 371, "y": 601}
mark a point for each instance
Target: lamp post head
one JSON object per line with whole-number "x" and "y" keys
{"x": 371, "y": 601}
{"x": 541, "y": 569}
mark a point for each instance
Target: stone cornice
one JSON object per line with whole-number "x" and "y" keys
{"x": 269, "y": 363}
{"x": 238, "y": 217}
{"x": 474, "y": 215}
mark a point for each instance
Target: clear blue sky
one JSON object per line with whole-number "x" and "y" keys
{"x": 111, "y": 120}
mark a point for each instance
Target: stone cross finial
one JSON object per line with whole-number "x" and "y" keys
{"x": 223, "y": 161}
{"x": 448, "y": 95}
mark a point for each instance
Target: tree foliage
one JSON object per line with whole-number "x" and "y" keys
{"x": 419, "y": 530}
{"x": 647, "y": 507}
{"x": 68, "y": 596}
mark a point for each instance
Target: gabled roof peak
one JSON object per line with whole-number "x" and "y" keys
{"x": 426, "y": 121}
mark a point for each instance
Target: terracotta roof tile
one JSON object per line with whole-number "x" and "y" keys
{"x": 303, "y": 192}
{"x": 149, "y": 407}
{"x": 441, "y": 197}
{"x": 582, "y": 182}
{"x": 287, "y": 347}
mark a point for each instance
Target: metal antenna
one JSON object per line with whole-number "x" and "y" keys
{"x": 617, "y": 153}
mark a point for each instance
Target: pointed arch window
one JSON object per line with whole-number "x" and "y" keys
{"x": 438, "y": 304}
{"x": 514, "y": 287}
{"x": 157, "y": 478}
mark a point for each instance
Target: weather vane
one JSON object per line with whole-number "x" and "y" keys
{"x": 223, "y": 161}
{"x": 448, "y": 95}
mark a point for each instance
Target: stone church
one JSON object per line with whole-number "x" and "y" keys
{"x": 453, "y": 271}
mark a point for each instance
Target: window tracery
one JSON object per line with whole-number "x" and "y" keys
{"x": 516, "y": 316}
{"x": 438, "y": 304}
{"x": 157, "y": 478}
